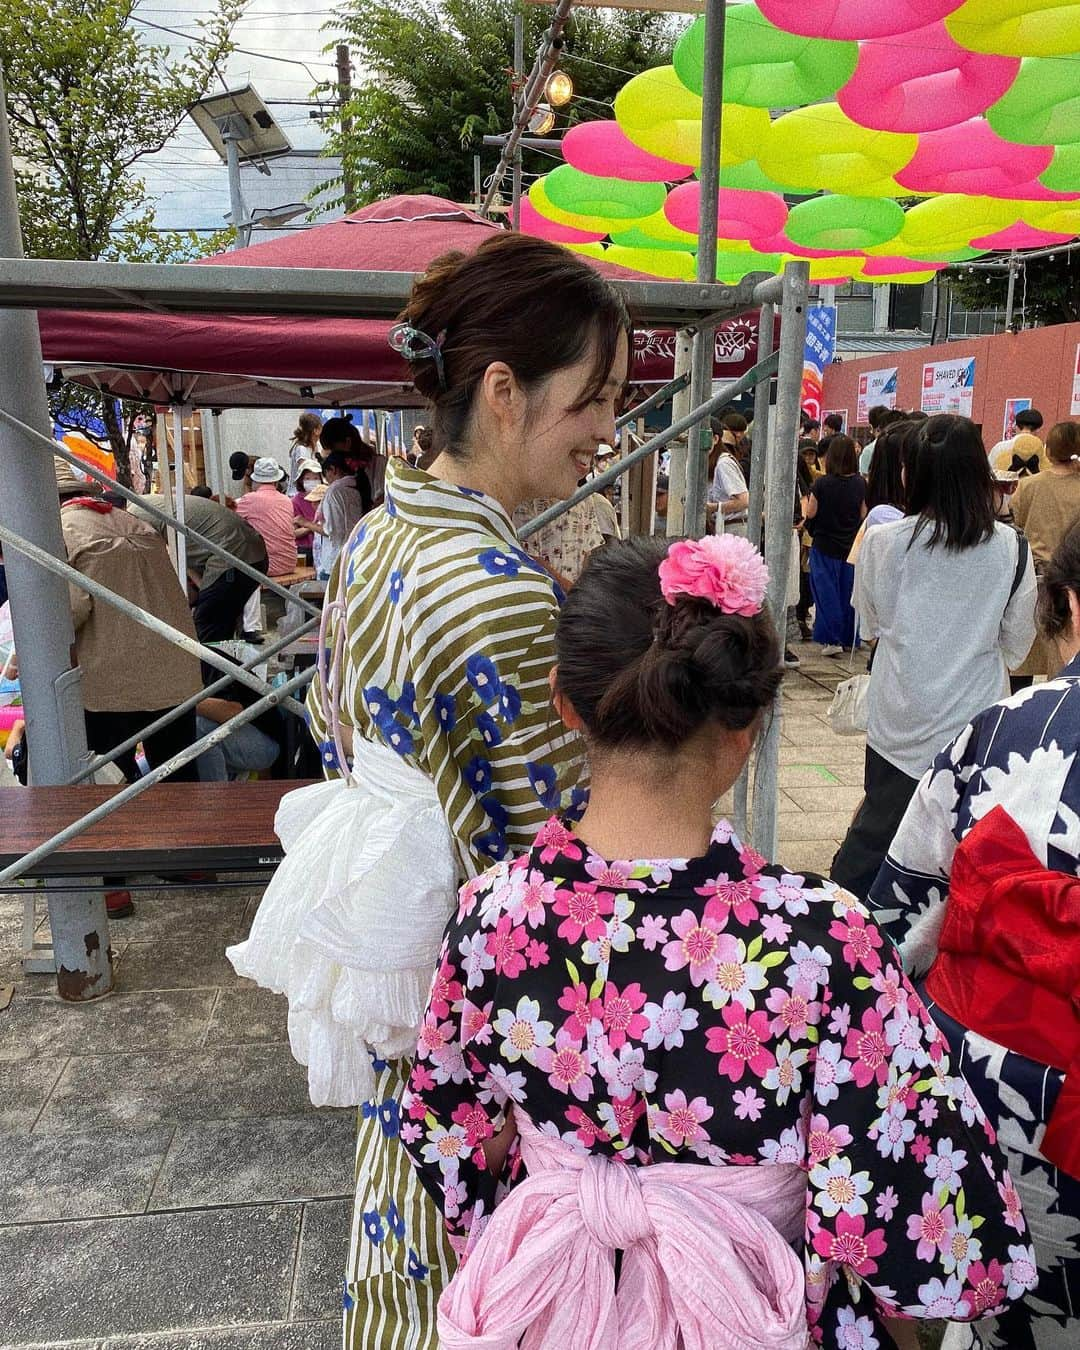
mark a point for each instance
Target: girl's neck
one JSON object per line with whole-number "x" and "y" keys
{"x": 1063, "y": 470}
{"x": 635, "y": 813}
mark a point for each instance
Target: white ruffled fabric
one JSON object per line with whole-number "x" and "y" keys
{"x": 350, "y": 926}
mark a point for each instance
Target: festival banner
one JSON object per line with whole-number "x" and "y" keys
{"x": 817, "y": 355}
{"x": 1013, "y": 406}
{"x": 1076, "y": 384}
{"x": 877, "y": 388}
{"x": 949, "y": 386}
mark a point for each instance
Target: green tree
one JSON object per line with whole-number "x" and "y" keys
{"x": 88, "y": 100}
{"x": 436, "y": 78}
{"x": 1051, "y": 294}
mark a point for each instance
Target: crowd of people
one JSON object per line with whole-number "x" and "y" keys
{"x": 621, "y": 1079}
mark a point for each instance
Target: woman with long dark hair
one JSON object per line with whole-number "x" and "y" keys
{"x": 834, "y": 511}
{"x": 433, "y": 708}
{"x": 949, "y": 594}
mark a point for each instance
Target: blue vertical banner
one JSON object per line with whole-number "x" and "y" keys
{"x": 817, "y": 356}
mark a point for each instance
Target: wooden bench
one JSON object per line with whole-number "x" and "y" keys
{"x": 172, "y": 828}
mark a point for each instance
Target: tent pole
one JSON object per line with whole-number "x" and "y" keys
{"x": 699, "y": 442}
{"x": 41, "y": 612}
{"x": 179, "y": 491}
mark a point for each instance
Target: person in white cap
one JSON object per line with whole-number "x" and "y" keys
{"x": 269, "y": 511}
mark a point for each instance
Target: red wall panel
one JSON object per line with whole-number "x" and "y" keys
{"x": 1038, "y": 364}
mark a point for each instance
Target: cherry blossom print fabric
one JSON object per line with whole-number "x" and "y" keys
{"x": 723, "y": 1011}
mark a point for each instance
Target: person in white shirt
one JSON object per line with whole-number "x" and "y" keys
{"x": 728, "y": 492}
{"x": 341, "y": 508}
{"x": 949, "y": 593}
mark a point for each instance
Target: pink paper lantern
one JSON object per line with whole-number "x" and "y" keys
{"x": 895, "y": 267}
{"x": 741, "y": 215}
{"x": 854, "y": 19}
{"x": 603, "y": 150}
{"x": 972, "y": 158}
{"x": 1020, "y": 235}
{"x": 925, "y": 82}
{"x": 532, "y": 222}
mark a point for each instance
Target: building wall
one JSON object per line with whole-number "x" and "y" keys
{"x": 1038, "y": 364}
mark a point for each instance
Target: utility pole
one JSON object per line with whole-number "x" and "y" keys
{"x": 519, "y": 75}
{"x": 344, "y": 85}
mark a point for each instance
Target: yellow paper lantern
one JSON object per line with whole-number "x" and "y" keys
{"x": 658, "y": 113}
{"x": 1017, "y": 27}
{"x": 820, "y": 146}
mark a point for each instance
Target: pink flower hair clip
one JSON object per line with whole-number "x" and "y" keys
{"x": 726, "y": 570}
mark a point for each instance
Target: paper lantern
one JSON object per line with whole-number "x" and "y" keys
{"x": 583, "y": 194}
{"x": 741, "y": 215}
{"x": 781, "y": 243}
{"x": 839, "y": 223}
{"x": 532, "y": 222}
{"x": 750, "y": 176}
{"x": 589, "y": 224}
{"x": 945, "y": 225}
{"x": 657, "y": 262}
{"x": 732, "y": 267}
{"x": 659, "y": 229}
{"x": 857, "y": 19}
{"x": 765, "y": 67}
{"x": 900, "y": 271}
{"x": 1018, "y": 27}
{"x": 1063, "y": 175}
{"x": 926, "y": 82}
{"x": 1043, "y": 105}
{"x": 972, "y": 158}
{"x": 602, "y": 149}
{"x": 637, "y": 238}
{"x": 825, "y": 271}
{"x": 822, "y": 147}
{"x": 658, "y": 113}
{"x": 1019, "y": 236}
{"x": 1062, "y": 219}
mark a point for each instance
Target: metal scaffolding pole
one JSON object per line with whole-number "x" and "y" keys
{"x": 41, "y": 610}
{"x": 173, "y": 714}
{"x": 676, "y": 512}
{"x": 55, "y": 448}
{"x": 519, "y": 71}
{"x": 700, "y": 439}
{"x": 669, "y": 390}
{"x": 30, "y": 860}
{"x": 762, "y": 371}
{"x": 151, "y": 621}
{"x": 758, "y": 461}
{"x": 179, "y": 490}
{"x": 779, "y": 500}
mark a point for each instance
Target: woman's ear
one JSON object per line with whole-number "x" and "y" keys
{"x": 502, "y": 394}
{"x": 1074, "y": 612}
{"x": 562, "y": 705}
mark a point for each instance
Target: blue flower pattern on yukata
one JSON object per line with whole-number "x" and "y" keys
{"x": 509, "y": 703}
{"x": 545, "y": 785}
{"x": 499, "y": 564}
{"x": 394, "y": 1221}
{"x": 478, "y": 775}
{"x": 482, "y": 674}
{"x": 496, "y": 812}
{"x": 373, "y": 1226}
{"x": 416, "y": 1268}
{"x": 446, "y": 712}
{"x": 406, "y": 704}
{"x": 397, "y": 586}
{"x": 390, "y": 1118}
{"x": 492, "y": 844}
{"x": 329, "y": 756}
{"x": 489, "y": 730}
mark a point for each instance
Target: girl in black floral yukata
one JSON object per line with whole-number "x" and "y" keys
{"x": 716, "y": 1067}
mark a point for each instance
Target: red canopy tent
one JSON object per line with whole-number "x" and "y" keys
{"x": 231, "y": 360}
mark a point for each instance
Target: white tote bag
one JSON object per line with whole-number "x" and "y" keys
{"x": 849, "y": 711}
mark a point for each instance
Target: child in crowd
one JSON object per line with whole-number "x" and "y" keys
{"x": 667, "y": 1093}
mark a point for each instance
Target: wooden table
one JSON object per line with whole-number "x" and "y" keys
{"x": 173, "y": 827}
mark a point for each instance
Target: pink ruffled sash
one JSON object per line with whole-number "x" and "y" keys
{"x": 707, "y": 1261}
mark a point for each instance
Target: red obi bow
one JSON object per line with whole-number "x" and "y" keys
{"x": 1008, "y": 965}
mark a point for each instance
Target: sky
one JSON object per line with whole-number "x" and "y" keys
{"x": 187, "y": 179}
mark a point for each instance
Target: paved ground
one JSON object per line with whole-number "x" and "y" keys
{"x": 165, "y": 1183}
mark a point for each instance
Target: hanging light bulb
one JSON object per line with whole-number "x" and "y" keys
{"x": 542, "y": 120}
{"x": 560, "y": 89}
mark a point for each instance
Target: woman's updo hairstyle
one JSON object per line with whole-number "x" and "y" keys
{"x": 530, "y": 303}
{"x": 642, "y": 673}
{"x": 1063, "y": 443}
{"x": 1060, "y": 576}
{"x": 307, "y": 430}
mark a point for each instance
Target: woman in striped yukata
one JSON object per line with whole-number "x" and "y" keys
{"x": 433, "y": 706}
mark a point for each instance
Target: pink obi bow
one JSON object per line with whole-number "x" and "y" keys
{"x": 706, "y": 1258}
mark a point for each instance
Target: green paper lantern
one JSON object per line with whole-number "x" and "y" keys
{"x": 765, "y": 67}
{"x": 613, "y": 198}
{"x": 732, "y": 267}
{"x": 637, "y": 238}
{"x": 1063, "y": 175}
{"x": 751, "y": 177}
{"x": 840, "y": 224}
{"x": 1043, "y": 105}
